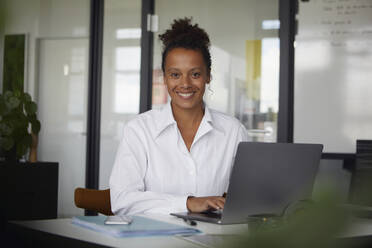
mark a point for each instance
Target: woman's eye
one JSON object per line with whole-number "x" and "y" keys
{"x": 175, "y": 75}
{"x": 196, "y": 74}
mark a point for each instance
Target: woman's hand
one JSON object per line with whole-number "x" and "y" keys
{"x": 200, "y": 204}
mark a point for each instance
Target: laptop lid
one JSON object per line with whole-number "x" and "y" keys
{"x": 267, "y": 177}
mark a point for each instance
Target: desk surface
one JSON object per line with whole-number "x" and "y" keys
{"x": 64, "y": 228}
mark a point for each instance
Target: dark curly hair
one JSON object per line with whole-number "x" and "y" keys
{"x": 185, "y": 35}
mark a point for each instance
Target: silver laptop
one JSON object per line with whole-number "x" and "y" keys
{"x": 266, "y": 178}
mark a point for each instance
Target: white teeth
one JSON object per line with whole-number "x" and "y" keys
{"x": 185, "y": 94}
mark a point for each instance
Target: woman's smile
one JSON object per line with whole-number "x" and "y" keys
{"x": 186, "y": 95}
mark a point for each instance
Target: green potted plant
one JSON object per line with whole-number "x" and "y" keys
{"x": 28, "y": 190}
{"x": 19, "y": 125}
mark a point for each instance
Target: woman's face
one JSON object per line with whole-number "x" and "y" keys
{"x": 185, "y": 76}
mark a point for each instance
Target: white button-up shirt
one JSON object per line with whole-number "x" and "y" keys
{"x": 153, "y": 170}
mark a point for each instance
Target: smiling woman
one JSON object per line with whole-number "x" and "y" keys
{"x": 185, "y": 77}
{"x": 177, "y": 158}
{"x": 186, "y": 64}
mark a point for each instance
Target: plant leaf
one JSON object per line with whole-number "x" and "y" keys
{"x": 17, "y": 113}
{"x": 7, "y": 95}
{"x": 23, "y": 145}
{"x": 17, "y": 93}
{"x": 5, "y": 130}
{"x": 19, "y": 120}
{"x": 26, "y": 97}
{"x": 21, "y": 149}
{"x": 30, "y": 108}
{"x": 35, "y": 126}
{"x": 3, "y": 108}
{"x": 27, "y": 140}
{"x": 31, "y": 117}
{"x": 7, "y": 143}
{"x": 12, "y": 102}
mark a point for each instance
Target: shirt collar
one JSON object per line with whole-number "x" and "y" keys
{"x": 207, "y": 114}
{"x": 167, "y": 118}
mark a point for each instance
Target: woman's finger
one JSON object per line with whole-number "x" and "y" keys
{"x": 212, "y": 204}
{"x": 220, "y": 204}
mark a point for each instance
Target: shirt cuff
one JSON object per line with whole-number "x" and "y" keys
{"x": 179, "y": 204}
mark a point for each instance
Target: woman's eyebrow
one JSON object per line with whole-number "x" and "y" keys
{"x": 172, "y": 69}
{"x": 177, "y": 69}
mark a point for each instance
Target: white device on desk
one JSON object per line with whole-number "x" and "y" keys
{"x": 118, "y": 220}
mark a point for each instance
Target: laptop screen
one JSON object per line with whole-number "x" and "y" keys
{"x": 267, "y": 177}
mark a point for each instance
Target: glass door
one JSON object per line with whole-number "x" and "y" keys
{"x": 62, "y": 111}
{"x": 62, "y": 49}
{"x": 120, "y": 77}
{"x": 245, "y": 58}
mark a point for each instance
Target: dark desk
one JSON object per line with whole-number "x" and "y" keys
{"x": 29, "y": 191}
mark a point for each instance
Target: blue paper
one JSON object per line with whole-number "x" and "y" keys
{"x": 140, "y": 227}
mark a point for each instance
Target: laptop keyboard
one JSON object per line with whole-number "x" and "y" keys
{"x": 213, "y": 213}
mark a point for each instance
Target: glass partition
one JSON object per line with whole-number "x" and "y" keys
{"x": 245, "y": 58}
{"x": 120, "y": 77}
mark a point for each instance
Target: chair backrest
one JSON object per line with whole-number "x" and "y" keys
{"x": 93, "y": 199}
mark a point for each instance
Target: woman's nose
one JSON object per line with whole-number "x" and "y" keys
{"x": 185, "y": 82}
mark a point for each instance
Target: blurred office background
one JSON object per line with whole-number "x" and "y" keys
{"x": 245, "y": 51}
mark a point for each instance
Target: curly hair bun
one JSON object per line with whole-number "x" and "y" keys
{"x": 184, "y": 32}
{"x": 185, "y": 35}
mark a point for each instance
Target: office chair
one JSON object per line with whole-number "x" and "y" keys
{"x": 93, "y": 199}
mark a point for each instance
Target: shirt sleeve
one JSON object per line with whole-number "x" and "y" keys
{"x": 127, "y": 185}
{"x": 241, "y": 135}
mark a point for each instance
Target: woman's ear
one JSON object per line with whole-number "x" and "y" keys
{"x": 209, "y": 78}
